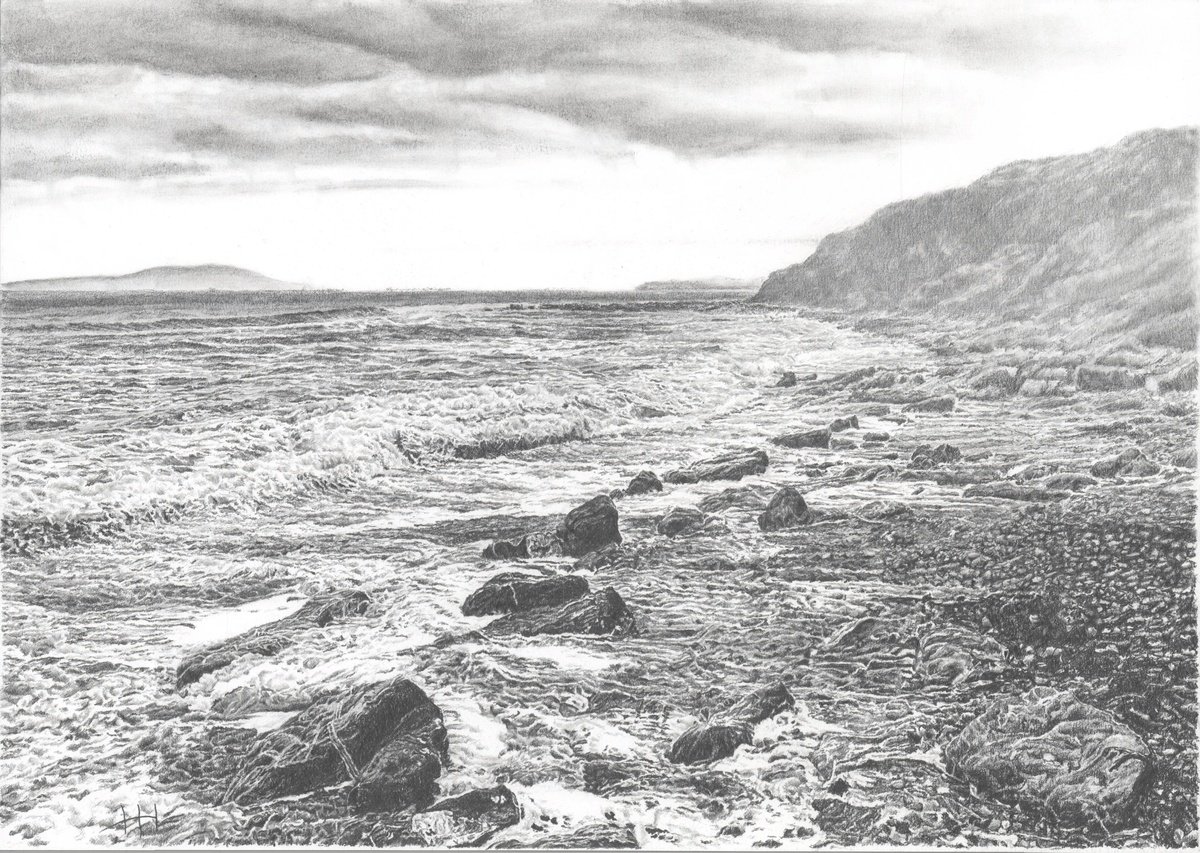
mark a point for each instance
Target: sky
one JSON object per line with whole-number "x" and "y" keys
{"x": 363, "y": 144}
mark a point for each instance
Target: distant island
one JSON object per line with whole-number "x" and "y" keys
{"x": 748, "y": 285}
{"x": 169, "y": 278}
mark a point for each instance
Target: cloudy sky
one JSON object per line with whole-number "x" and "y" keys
{"x": 361, "y": 143}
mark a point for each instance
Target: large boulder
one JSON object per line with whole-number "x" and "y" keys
{"x": 786, "y": 509}
{"x": 589, "y": 527}
{"x": 724, "y": 733}
{"x": 728, "y": 466}
{"x": 388, "y": 738}
{"x": 1048, "y": 752}
{"x": 932, "y": 404}
{"x": 1129, "y": 463}
{"x": 680, "y": 519}
{"x": 601, "y": 613}
{"x": 512, "y": 591}
{"x": 268, "y": 640}
{"x": 816, "y": 438}
{"x": 644, "y": 483}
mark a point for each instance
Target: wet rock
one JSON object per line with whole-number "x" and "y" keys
{"x": 745, "y": 497}
{"x": 927, "y": 456}
{"x": 786, "y": 509}
{"x": 876, "y": 437}
{"x": 589, "y": 527}
{"x": 885, "y": 511}
{"x": 1129, "y": 463}
{"x": 1048, "y": 752}
{"x": 787, "y": 380}
{"x": 762, "y": 704}
{"x": 1071, "y": 481}
{"x": 953, "y": 655}
{"x": 510, "y": 592}
{"x": 268, "y": 640}
{"x": 728, "y": 466}
{"x": 1013, "y": 492}
{"x": 601, "y": 613}
{"x": 1182, "y": 379}
{"x": 1091, "y": 377}
{"x": 842, "y": 424}
{"x": 932, "y": 404}
{"x": 723, "y": 734}
{"x": 388, "y": 737}
{"x": 678, "y": 520}
{"x": 644, "y": 483}
{"x": 468, "y": 820}
{"x": 818, "y": 438}
{"x": 501, "y": 550}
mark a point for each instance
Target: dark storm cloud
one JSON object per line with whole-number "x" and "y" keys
{"x": 217, "y": 87}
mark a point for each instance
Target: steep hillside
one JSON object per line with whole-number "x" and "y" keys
{"x": 204, "y": 277}
{"x": 1100, "y": 244}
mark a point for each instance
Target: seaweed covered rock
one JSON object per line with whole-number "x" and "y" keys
{"x": 786, "y": 509}
{"x": 679, "y": 519}
{"x": 644, "y": 483}
{"x": 1048, "y": 752}
{"x": 502, "y": 550}
{"x": 512, "y": 591}
{"x": 723, "y": 734}
{"x": 815, "y": 438}
{"x": 728, "y": 466}
{"x": 468, "y": 820}
{"x": 601, "y": 613}
{"x": 589, "y": 527}
{"x": 268, "y": 640}
{"x": 388, "y": 737}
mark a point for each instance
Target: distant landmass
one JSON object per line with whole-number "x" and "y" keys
{"x": 1101, "y": 243}
{"x": 704, "y": 284}
{"x": 202, "y": 277}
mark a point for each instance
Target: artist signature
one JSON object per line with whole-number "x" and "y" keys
{"x": 141, "y": 822}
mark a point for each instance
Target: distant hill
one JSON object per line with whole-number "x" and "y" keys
{"x": 701, "y": 284}
{"x": 204, "y": 277}
{"x": 1100, "y": 244}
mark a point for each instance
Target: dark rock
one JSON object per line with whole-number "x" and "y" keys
{"x": 644, "y": 483}
{"x": 680, "y": 519}
{"x": 602, "y": 613}
{"x": 1129, "y": 463}
{"x": 268, "y": 640}
{"x": 501, "y": 550}
{"x": 609, "y": 555}
{"x": 710, "y": 742}
{"x": 762, "y": 704}
{"x": 885, "y": 511}
{"x": 818, "y": 438}
{"x": 841, "y": 424}
{"x": 728, "y": 466}
{"x": 745, "y": 497}
{"x": 1071, "y": 481}
{"x": 876, "y": 437}
{"x": 787, "y": 380}
{"x": 1005, "y": 380}
{"x": 1013, "y": 492}
{"x": 1050, "y": 753}
{"x": 1090, "y": 377}
{"x": 470, "y": 819}
{"x": 926, "y": 456}
{"x": 509, "y": 592}
{"x": 388, "y": 737}
{"x": 786, "y": 509}
{"x": 589, "y": 527}
{"x": 932, "y": 404}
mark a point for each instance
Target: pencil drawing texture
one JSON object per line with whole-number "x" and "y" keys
{"x": 599, "y": 425}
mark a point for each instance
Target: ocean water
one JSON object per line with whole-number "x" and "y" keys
{"x": 179, "y": 470}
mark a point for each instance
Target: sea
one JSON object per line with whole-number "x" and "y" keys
{"x": 179, "y": 468}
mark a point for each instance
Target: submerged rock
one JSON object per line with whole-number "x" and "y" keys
{"x": 728, "y": 466}
{"x": 841, "y": 424}
{"x": 601, "y": 613}
{"x": 787, "y": 380}
{"x": 723, "y": 734}
{"x": 589, "y": 527}
{"x": 388, "y": 737}
{"x": 511, "y": 591}
{"x": 786, "y": 509}
{"x": 818, "y": 438}
{"x": 268, "y": 640}
{"x": 678, "y": 520}
{"x": 1130, "y": 463}
{"x": 644, "y": 483}
{"x": 932, "y": 404}
{"x": 470, "y": 819}
{"x": 1048, "y": 752}
{"x": 1071, "y": 481}
{"x": 501, "y": 550}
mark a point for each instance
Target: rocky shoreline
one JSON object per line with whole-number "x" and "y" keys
{"x": 1015, "y": 666}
